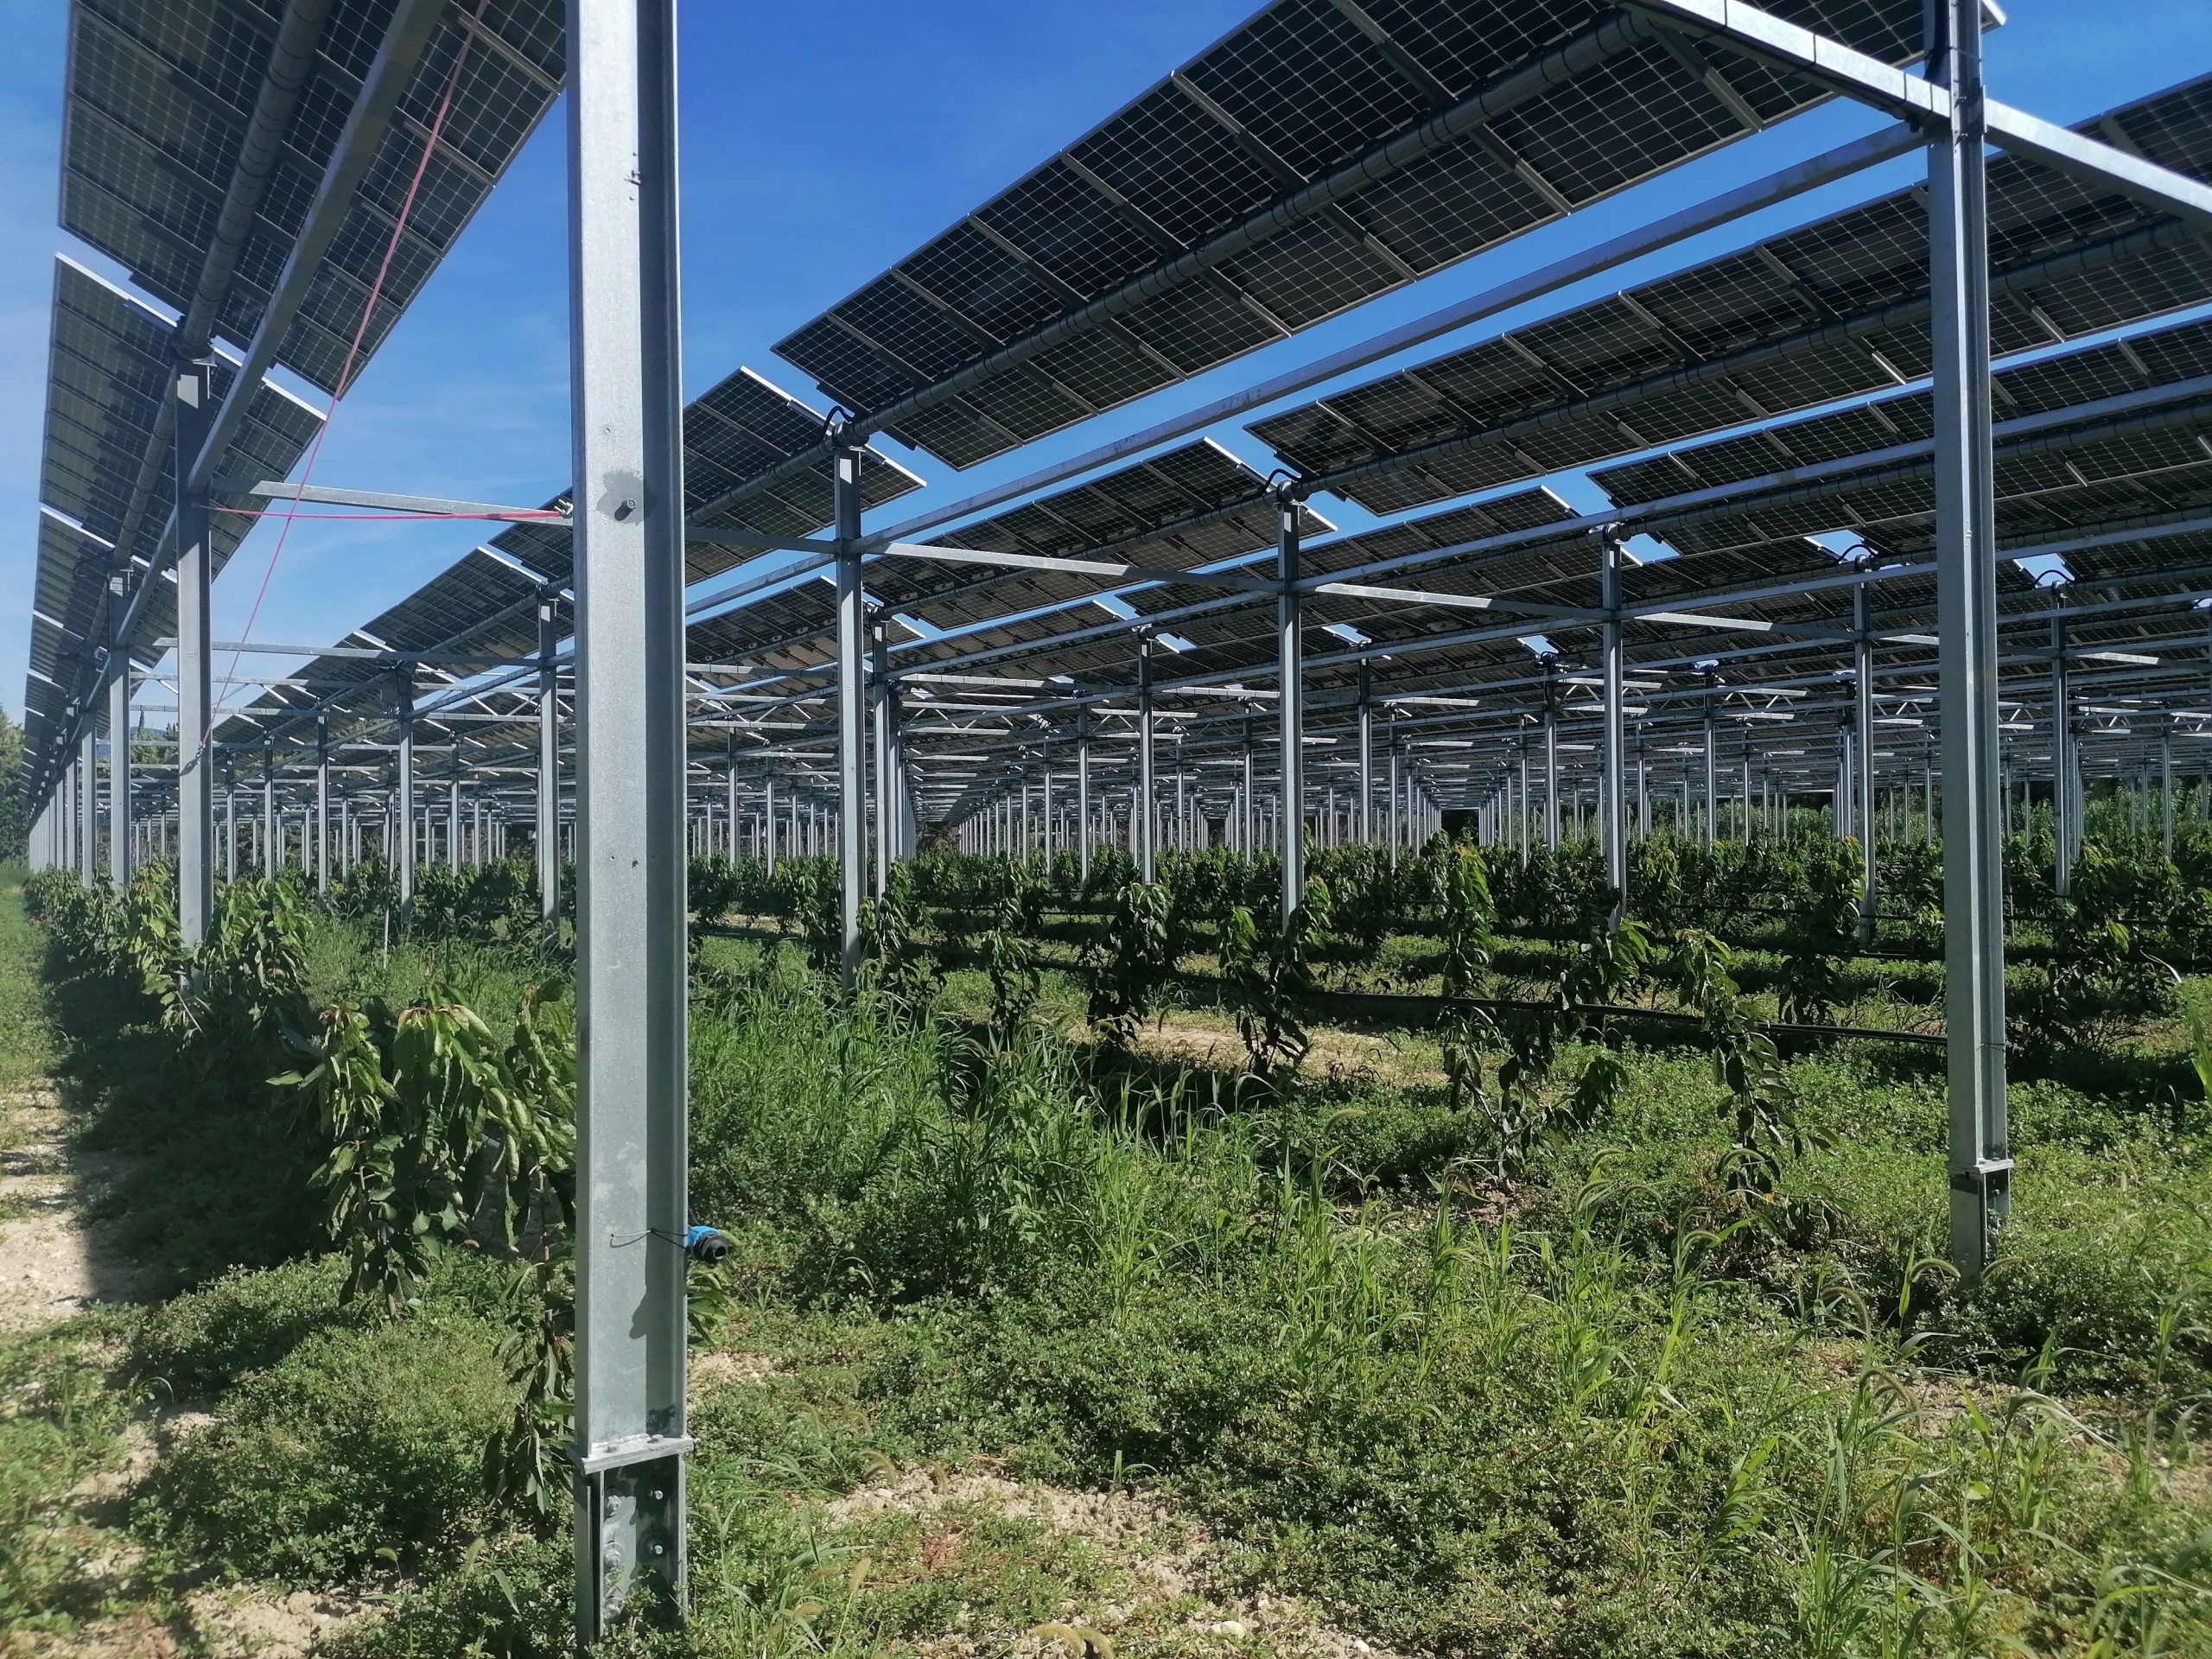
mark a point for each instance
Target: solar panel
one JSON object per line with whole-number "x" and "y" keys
{"x": 1832, "y": 310}
{"x": 1322, "y": 153}
{"x": 2166, "y": 357}
{"x": 1193, "y": 505}
{"x": 109, "y": 368}
{"x": 160, "y": 94}
{"x": 482, "y": 605}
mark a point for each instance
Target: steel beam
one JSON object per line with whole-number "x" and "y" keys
{"x": 407, "y": 35}
{"x": 1757, "y": 196}
{"x": 1798, "y": 50}
{"x": 631, "y": 931}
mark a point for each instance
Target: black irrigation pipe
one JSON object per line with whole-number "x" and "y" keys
{"x": 1406, "y": 1002}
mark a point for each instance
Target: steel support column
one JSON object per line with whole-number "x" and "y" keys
{"x": 119, "y": 849}
{"x": 1144, "y": 820}
{"x": 88, "y": 803}
{"x": 852, "y": 712}
{"x": 549, "y": 763}
{"x": 1973, "y": 911}
{"x": 196, "y": 711}
{"x": 879, "y": 696}
{"x": 1083, "y": 795}
{"x": 2064, "y": 799}
{"x": 2166, "y": 784}
{"x": 322, "y": 804}
{"x": 453, "y": 809}
{"x": 768, "y": 816}
{"x": 1613, "y": 805}
{"x": 1551, "y": 762}
{"x": 631, "y": 945}
{"x": 402, "y": 712}
{"x": 1290, "y": 664}
{"x": 269, "y": 826}
{"x": 1366, "y": 754}
{"x": 1712, "y": 780}
{"x": 1863, "y": 713}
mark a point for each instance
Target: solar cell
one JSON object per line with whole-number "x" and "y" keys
{"x": 108, "y": 369}
{"x": 1830, "y": 310}
{"x": 2162, "y": 357}
{"x": 1322, "y": 153}
{"x": 159, "y": 99}
{"x": 480, "y": 605}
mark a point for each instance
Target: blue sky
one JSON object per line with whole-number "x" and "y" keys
{"x": 820, "y": 145}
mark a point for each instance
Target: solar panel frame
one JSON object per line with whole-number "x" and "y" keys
{"x": 159, "y": 96}
{"x": 1296, "y": 94}
{"x": 1796, "y": 289}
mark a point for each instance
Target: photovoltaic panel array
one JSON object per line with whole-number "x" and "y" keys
{"x": 1191, "y": 505}
{"x": 159, "y": 97}
{"x": 1322, "y": 153}
{"x": 1836, "y": 309}
{"x": 109, "y": 362}
{"x": 2138, "y": 463}
{"x": 742, "y": 428}
{"x": 484, "y": 604}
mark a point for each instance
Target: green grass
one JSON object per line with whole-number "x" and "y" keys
{"x": 1580, "y": 1411}
{"x": 26, "y": 1049}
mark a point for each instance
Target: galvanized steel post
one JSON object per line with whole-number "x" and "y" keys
{"x": 631, "y": 869}
{"x": 120, "y": 847}
{"x": 548, "y": 834}
{"x": 1974, "y": 915}
{"x": 1290, "y": 664}
{"x": 852, "y": 710}
{"x": 322, "y": 804}
{"x": 1863, "y": 711}
{"x": 195, "y": 754}
{"x": 402, "y": 708}
{"x": 1143, "y": 819}
{"x": 1613, "y": 810}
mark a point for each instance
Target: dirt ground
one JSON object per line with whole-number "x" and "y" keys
{"x": 52, "y": 1264}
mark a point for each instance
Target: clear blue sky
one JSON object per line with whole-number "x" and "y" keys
{"x": 819, "y": 146}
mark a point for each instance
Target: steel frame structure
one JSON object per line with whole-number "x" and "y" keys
{"x": 820, "y": 727}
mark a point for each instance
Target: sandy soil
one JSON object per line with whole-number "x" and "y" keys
{"x": 1170, "y": 1562}
{"x": 52, "y": 1264}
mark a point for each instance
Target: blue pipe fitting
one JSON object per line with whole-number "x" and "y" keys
{"x": 709, "y": 1245}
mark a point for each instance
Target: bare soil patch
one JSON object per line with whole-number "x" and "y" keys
{"x": 53, "y": 1264}
{"x": 1170, "y": 1591}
